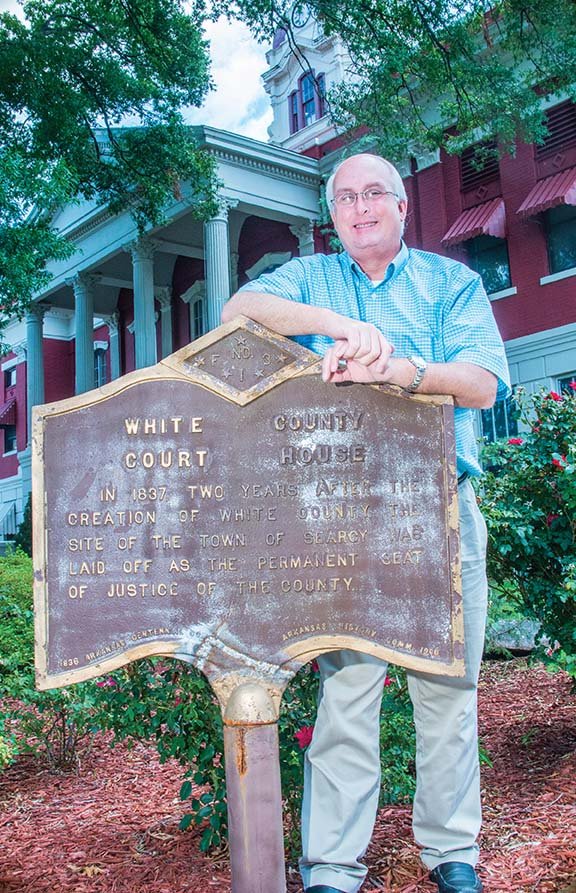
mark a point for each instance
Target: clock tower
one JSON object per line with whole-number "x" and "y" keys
{"x": 303, "y": 65}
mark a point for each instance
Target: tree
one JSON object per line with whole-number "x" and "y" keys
{"x": 431, "y": 73}
{"x": 73, "y": 71}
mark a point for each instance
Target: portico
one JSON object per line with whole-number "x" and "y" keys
{"x": 147, "y": 294}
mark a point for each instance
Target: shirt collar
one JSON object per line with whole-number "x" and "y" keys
{"x": 394, "y": 267}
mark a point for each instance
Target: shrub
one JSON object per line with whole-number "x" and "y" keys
{"x": 528, "y": 498}
{"x": 23, "y": 538}
{"x": 50, "y": 723}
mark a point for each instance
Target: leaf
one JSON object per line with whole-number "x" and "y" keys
{"x": 185, "y": 821}
{"x": 185, "y": 790}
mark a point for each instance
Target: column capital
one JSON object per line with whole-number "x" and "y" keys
{"x": 19, "y": 351}
{"x": 304, "y": 229}
{"x": 82, "y": 281}
{"x": 163, "y": 295}
{"x": 37, "y": 311}
{"x": 225, "y": 205}
{"x": 113, "y": 322}
{"x": 141, "y": 249}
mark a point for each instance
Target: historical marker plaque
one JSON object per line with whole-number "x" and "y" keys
{"x": 228, "y": 507}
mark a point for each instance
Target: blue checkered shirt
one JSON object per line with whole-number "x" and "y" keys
{"x": 427, "y": 305}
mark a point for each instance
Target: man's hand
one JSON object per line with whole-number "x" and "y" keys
{"x": 362, "y": 342}
{"x": 358, "y": 367}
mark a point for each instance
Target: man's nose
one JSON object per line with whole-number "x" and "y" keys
{"x": 361, "y": 203}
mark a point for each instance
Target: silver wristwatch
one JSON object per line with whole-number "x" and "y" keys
{"x": 420, "y": 365}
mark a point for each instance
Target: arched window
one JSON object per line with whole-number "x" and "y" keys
{"x": 307, "y": 103}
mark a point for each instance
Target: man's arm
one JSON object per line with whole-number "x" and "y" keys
{"x": 364, "y": 342}
{"x": 470, "y": 385}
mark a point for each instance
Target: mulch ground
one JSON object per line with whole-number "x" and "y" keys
{"x": 112, "y": 827}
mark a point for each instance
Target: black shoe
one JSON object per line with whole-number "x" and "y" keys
{"x": 456, "y": 877}
{"x": 321, "y": 888}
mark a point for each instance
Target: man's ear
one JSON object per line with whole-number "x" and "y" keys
{"x": 403, "y": 208}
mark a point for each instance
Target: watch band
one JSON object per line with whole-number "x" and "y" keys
{"x": 420, "y": 365}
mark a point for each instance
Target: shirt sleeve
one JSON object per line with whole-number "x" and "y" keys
{"x": 289, "y": 281}
{"x": 470, "y": 332}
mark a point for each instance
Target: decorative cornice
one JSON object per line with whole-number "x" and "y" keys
{"x": 270, "y": 259}
{"x": 196, "y": 290}
{"x": 89, "y": 226}
{"x": 267, "y": 167}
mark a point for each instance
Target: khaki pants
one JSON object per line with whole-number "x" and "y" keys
{"x": 342, "y": 766}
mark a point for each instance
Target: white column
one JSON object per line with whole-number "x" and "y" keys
{"x": 83, "y": 285}
{"x": 304, "y": 232}
{"x": 144, "y": 323}
{"x": 217, "y": 264}
{"x": 113, "y": 323}
{"x": 164, "y": 297}
{"x": 35, "y": 358}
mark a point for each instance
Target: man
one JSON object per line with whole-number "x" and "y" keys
{"x": 383, "y": 313}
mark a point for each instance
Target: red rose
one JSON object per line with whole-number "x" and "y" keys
{"x": 314, "y": 666}
{"x": 573, "y": 384}
{"x": 304, "y": 736}
{"x": 559, "y": 463}
{"x": 550, "y": 519}
{"x": 387, "y": 681}
{"x": 554, "y": 396}
{"x": 516, "y": 441}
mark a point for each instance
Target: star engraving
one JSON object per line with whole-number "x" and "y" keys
{"x": 241, "y": 341}
{"x": 200, "y": 361}
{"x": 281, "y": 357}
{"x": 259, "y": 373}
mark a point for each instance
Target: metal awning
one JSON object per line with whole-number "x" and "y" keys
{"x": 549, "y": 193}
{"x": 487, "y": 219}
{"x": 8, "y": 413}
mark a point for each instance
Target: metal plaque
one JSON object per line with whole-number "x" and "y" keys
{"x": 229, "y": 508}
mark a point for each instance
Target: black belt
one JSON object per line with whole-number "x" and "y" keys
{"x": 463, "y": 477}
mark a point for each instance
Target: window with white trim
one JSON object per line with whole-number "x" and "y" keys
{"x": 197, "y": 318}
{"x": 567, "y": 384}
{"x": 489, "y": 257}
{"x": 100, "y": 374}
{"x": 10, "y": 377}
{"x": 307, "y": 103}
{"x": 9, "y": 439}
{"x": 500, "y": 421}
{"x": 560, "y": 225}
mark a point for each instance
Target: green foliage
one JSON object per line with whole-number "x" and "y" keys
{"x": 23, "y": 539}
{"x": 73, "y": 71}
{"x": 436, "y": 73}
{"x": 397, "y": 741}
{"x": 171, "y": 704}
{"x": 51, "y": 723}
{"x": 528, "y": 498}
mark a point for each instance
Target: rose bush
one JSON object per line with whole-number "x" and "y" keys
{"x": 528, "y": 497}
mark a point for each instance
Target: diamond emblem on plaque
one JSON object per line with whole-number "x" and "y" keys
{"x": 244, "y": 363}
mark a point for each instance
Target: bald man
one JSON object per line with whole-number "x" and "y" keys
{"x": 381, "y": 312}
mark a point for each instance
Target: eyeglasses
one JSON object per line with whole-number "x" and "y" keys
{"x": 347, "y": 199}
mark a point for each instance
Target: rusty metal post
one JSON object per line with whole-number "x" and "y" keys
{"x": 253, "y": 790}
